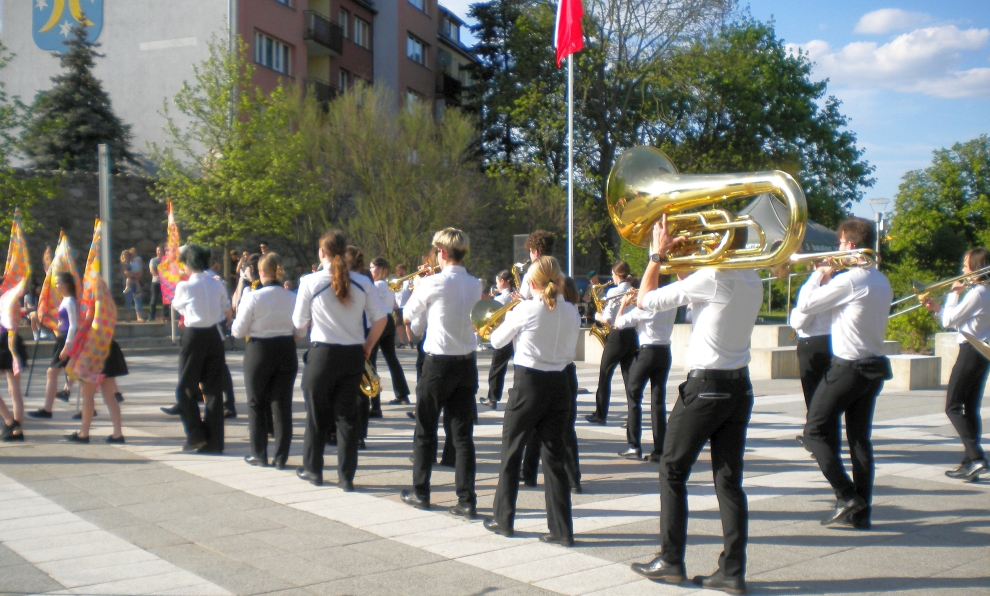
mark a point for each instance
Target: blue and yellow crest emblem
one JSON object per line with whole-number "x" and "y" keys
{"x": 52, "y": 21}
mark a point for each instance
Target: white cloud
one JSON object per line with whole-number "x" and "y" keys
{"x": 924, "y": 61}
{"x": 890, "y": 19}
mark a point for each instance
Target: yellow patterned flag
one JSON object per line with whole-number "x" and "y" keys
{"x": 50, "y": 298}
{"x": 169, "y": 271}
{"x": 15, "y": 276}
{"x": 97, "y": 319}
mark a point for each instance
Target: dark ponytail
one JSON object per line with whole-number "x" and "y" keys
{"x": 334, "y": 246}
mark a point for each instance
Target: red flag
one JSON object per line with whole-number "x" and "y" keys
{"x": 568, "y": 37}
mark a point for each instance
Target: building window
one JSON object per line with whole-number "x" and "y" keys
{"x": 345, "y": 20}
{"x": 420, "y": 4}
{"x": 362, "y": 33}
{"x": 450, "y": 29}
{"x": 416, "y": 50}
{"x": 271, "y": 52}
{"x": 344, "y": 79}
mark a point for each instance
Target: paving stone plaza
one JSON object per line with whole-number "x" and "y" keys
{"x": 145, "y": 518}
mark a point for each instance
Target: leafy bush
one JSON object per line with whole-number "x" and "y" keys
{"x": 913, "y": 330}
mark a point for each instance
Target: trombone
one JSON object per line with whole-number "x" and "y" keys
{"x": 923, "y": 292}
{"x": 395, "y": 283}
{"x": 618, "y": 296}
{"x": 862, "y": 258}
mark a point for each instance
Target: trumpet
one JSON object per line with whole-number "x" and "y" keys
{"x": 487, "y": 315}
{"x": 371, "y": 383}
{"x": 923, "y": 292}
{"x": 395, "y": 282}
{"x": 862, "y": 258}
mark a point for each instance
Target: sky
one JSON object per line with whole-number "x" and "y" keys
{"x": 913, "y": 76}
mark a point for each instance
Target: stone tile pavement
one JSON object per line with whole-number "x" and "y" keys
{"x": 146, "y": 518}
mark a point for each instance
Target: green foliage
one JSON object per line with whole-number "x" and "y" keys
{"x": 913, "y": 330}
{"x": 243, "y": 164}
{"x": 68, "y": 121}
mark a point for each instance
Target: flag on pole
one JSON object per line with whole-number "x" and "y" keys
{"x": 50, "y": 298}
{"x": 169, "y": 271}
{"x": 97, "y": 319}
{"x": 568, "y": 37}
{"x": 15, "y": 276}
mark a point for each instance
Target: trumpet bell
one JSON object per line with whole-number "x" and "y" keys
{"x": 644, "y": 185}
{"x": 482, "y": 313}
{"x": 371, "y": 383}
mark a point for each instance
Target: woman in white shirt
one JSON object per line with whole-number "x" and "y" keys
{"x": 620, "y": 345}
{"x": 545, "y": 333}
{"x": 501, "y": 356}
{"x": 65, "y": 333}
{"x": 379, "y": 271}
{"x": 264, "y": 317}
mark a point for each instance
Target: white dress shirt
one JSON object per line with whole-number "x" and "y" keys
{"x": 859, "y": 301}
{"x": 970, "y": 314}
{"x": 504, "y": 297}
{"x": 724, "y": 303}
{"x": 442, "y": 305}
{"x": 202, "y": 300}
{"x": 543, "y": 339}
{"x": 653, "y": 328}
{"x": 806, "y": 325}
{"x": 265, "y": 312}
{"x": 336, "y": 322}
{"x": 385, "y": 295}
{"x": 525, "y": 289}
{"x": 402, "y": 296}
{"x": 611, "y": 309}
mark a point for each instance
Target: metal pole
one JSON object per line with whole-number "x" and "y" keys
{"x": 570, "y": 165}
{"x": 788, "y": 313}
{"x": 105, "y": 212}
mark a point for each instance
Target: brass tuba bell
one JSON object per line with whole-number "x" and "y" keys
{"x": 371, "y": 383}
{"x": 644, "y": 185}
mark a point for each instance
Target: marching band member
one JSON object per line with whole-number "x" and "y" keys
{"x": 545, "y": 332}
{"x": 652, "y": 363}
{"x": 355, "y": 262}
{"x": 620, "y": 345}
{"x": 203, "y": 303}
{"x": 334, "y": 301}
{"x": 68, "y": 322}
{"x": 969, "y": 312}
{"x": 12, "y": 419}
{"x": 264, "y": 317}
{"x": 379, "y": 271}
{"x": 442, "y": 304}
{"x": 539, "y": 243}
{"x": 501, "y": 356}
{"x": 814, "y": 349}
{"x": 714, "y": 406}
{"x": 114, "y": 366}
{"x": 401, "y": 329}
{"x": 859, "y": 301}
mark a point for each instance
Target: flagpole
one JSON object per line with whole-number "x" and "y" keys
{"x": 570, "y": 165}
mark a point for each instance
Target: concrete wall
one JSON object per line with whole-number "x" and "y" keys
{"x": 150, "y": 48}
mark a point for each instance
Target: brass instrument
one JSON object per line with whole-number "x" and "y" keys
{"x": 598, "y": 329}
{"x": 487, "y": 315}
{"x": 371, "y": 384}
{"x": 395, "y": 283}
{"x": 981, "y": 346}
{"x": 619, "y": 296}
{"x": 923, "y": 292}
{"x": 863, "y": 258}
{"x": 518, "y": 272}
{"x": 644, "y": 185}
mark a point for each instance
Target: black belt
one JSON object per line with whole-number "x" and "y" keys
{"x": 320, "y": 344}
{"x": 445, "y": 358}
{"x": 263, "y": 339}
{"x": 719, "y": 375}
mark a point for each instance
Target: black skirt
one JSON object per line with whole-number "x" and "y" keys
{"x": 115, "y": 365}
{"x": 6, "y": 360}
{"x": 59, "y": 345}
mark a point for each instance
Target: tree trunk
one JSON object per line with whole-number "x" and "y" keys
{"x": 226, "y": 267}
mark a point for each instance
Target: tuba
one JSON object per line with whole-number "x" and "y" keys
{"x": 371, "y": 384}
{"x": 487, "y": 315}
{"x": 644, "y": 185}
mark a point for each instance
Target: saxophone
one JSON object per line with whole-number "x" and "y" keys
{"x": 598, "y": 329}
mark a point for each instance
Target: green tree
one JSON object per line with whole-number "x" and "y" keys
{"x": 68, "y": 121}
{"x": 240, "y": 165}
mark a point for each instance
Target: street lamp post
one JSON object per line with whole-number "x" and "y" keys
{"x": 879, "y": 206}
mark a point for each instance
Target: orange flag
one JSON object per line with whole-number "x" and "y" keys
{"x": 50, "y": 298}
{"x": 15, "y": 277}
{"x": 169, "y": 271}
{"x": 97, "y": 319}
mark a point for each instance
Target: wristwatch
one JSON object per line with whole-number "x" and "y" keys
{"x": 655, "y": 257}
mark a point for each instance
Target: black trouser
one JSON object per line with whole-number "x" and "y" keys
{"x": 962, "y": 401}
{"x": 531, "y": 456}
{"x": 387, "y": 344}
{"x": 228, "y": 387}
{"x": 716, "y": 411}
{"x": 270, "y": 367}
{"x": 620, "y": 349}
{"x": 814, "y": 356}
{"x": 448, "y": 382}
{"x": 540, "y": 405}
{"x": 420, "y": 358}
{"x": 156, "y": 297}
{"x": 652, "y": 364}
{"x": 496, "y": 375}
{"x": 846, "y": 390}
{"x": 201, "y": 363}
{"x": 330, "y": 386}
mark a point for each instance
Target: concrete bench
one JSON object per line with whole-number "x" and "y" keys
{"x": 774, "y": 363}
{"x": 912, "y": 371}
{"x": 947, "y": 348}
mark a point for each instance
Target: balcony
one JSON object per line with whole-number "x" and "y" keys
{"x": 322, "y": 37}
{"x": 321, "y": 90}
{"x": 449, "y": 88}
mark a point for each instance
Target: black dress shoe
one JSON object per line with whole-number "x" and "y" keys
{"x": 119, "y": 397}
{"x": 40, "y": 413}
{"x": 308, "y": 476}
{"x": 210, "y": 450}
{"x": 411, "y": 415}
{"x": 800, "y": 441}
{"x": 171, "y": 410}
{"x": 844, "y": 511}
{"x": 631, "y": 453}
{"x": 256, "y": 461}
{"x": 281, "y": 465}
{"x": 362, "y": 444}
{"x": 487, "y": 402}
{"x": 399, "y": 401}
{"x": 653, "y": 458}
{"x": 661, "y": 571}
{"x": 8, "y": 432}
{"x": 113, "y": 439}
{"x": 576, "y": 489}
{"x": 78, "y": 415}
{"x": 465, "y": 511}
{"x": 410, "y": 497}
{"x": 75, "y": 438}
{"x": 194, "y": 446}
{"x": 551, "y": 539}
{"x": 345, "y": 485}
{"x": 624, "y": 424}
{"x": 63, "y": 395}
{"x": 229, "y": 413}
{"x": 375, "y": 414}
{"x": 970, "y": 472}
{"x": 492, "y": 526}
{"x": 595, "y": 419}
{"x": 446, "y": 463}
{"x": 530, "y": 482}
{"x": 717, "y": 581}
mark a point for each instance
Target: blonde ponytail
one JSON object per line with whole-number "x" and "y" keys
{"x": 550, "y": 295}
{"x": 545, "y": 272}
